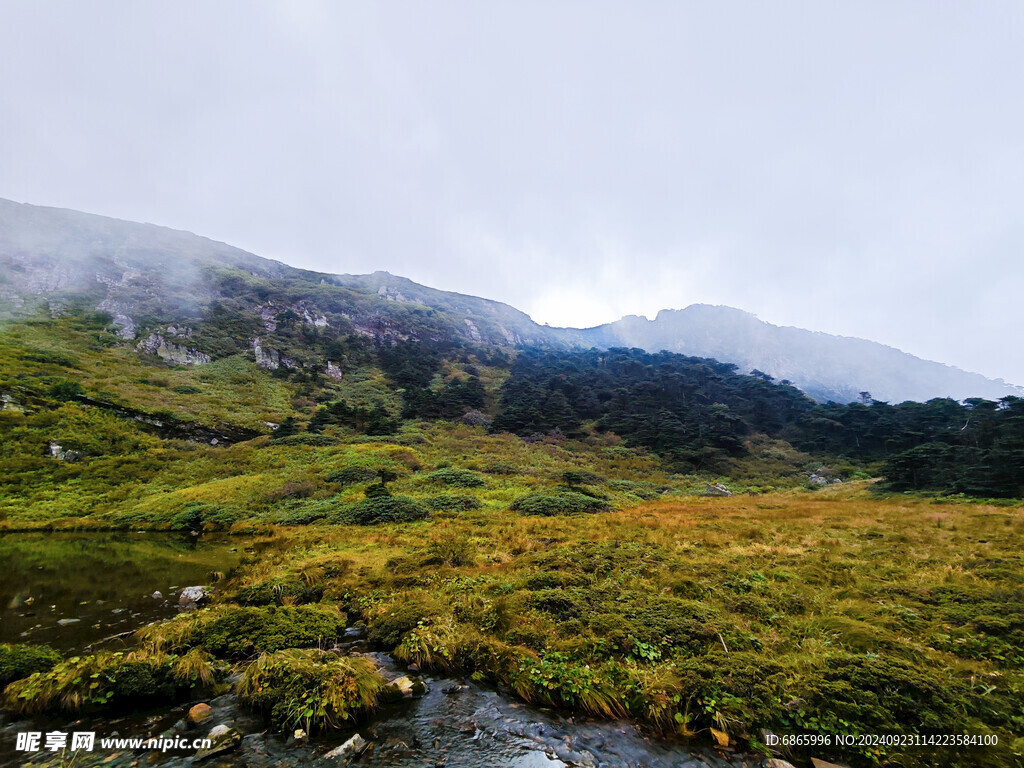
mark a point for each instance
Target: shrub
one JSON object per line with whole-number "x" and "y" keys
{"x": 457, "y": 478}
{"x": 580, "y": 477}
{"x": 452, "y": 502}
{"x": 382, "y": 509}
{"x": 65, "y": 389}
{"x": 452, "y": 550}
{"x": 293, "y": 489}
{"x": 351, "y": 475}
{"x": 186, "y": 389}
{"x": 562, "y": 503}
{"x": 311, "y": 689}
{"x": 644, "y": 490}
{"x": 18, "y": 661}
{"x": 317, "y": 441}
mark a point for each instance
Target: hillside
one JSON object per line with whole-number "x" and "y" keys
{"x": 188, "y": 299}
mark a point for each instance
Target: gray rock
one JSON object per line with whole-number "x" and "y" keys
{"x": 176, "y": 354}
{"x": 193, "y": 595}
{"x": 716, "y": 490}
{"x": 65, "y": 622}
{"x": 222, "y": 739}
{"x": 351, "y": 748}
{"x": 774, "y": 762}
{"x": 157, "y": 595}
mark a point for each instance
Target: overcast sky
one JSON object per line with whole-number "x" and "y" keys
{"x": 855, "y": 167}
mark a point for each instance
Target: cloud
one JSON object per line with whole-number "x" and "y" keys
{"x": 847, "y": 168}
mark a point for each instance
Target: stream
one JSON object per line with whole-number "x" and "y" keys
{"x": 79, "y": 592}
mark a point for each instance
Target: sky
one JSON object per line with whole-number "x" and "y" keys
{"x": 854, "y": 168}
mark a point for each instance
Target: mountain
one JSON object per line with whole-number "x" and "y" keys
{"x": 189, "y": 299}
{"x": 824, "y": 366}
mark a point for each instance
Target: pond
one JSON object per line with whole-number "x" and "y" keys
{"x": 76, "y": 590}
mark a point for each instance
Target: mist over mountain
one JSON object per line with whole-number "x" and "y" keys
{"x": 166, "y": 289}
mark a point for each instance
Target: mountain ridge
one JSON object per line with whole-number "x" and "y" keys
{"x": 157, "y": 283}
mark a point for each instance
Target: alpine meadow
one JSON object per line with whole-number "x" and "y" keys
{"x": 431, "y": 491}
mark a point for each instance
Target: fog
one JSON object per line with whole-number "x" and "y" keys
{"x": 850, "y": 168}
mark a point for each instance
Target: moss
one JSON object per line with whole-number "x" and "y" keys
{"x": 18, "y": 661}
{"x": 278, "y": 592}
{"x": 102, "y": 681}
{"x": 311, "y": 689}
{"x": 389, "y": 622}
{"x": 242, "y": 632}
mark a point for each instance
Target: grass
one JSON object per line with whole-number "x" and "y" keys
{"x": 833, "y": 612}
{"x": 578, "y": 574}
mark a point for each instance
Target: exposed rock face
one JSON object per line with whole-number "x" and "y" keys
{"x": 126, "y": 328}
{"x": 333, "y": 371}
{"x": 474, "y": 332}
{"x": 270, "y": 359}
{"x": 175, "y": 354}
{"x": 57, "y": 452}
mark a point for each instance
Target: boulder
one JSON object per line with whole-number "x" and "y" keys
{"x": 199, "y": 713}
{"x": 774, "y": 762}
{"x": 817, "y": 763}
{"x": 193, "y": 595}
{"x": 158, "y": 595}
{"x": 716, "y": 489}
{"x": 351, "y": 748}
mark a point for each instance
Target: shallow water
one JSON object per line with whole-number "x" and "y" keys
{"x": 106, "y": 581}
{"x": 71, "y": 590}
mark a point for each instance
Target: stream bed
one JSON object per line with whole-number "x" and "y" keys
{"x": 78, "y": 592}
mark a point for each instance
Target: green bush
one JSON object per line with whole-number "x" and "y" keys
{"x": 644, "y": 490}
{"x": 452, "y": 502}
{"x": 351, "y": 475}
{"x": 18, "y": 661}
{"x": 457, "y": 478}
{"x": 382, "y": 509}
{"x": 317, "y": 441}
{"x": 310, "y": 689}
{"x": 580, "y": 477}
{"x": 186, "y": 389}
{"x": 561, "y": 503}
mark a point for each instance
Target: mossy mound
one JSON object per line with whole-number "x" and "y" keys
{"x": 109, "y": 681}
{"x": 311, "y": 689}
{"x": 18, "y": 661}
{"x": 242, "y": 632}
